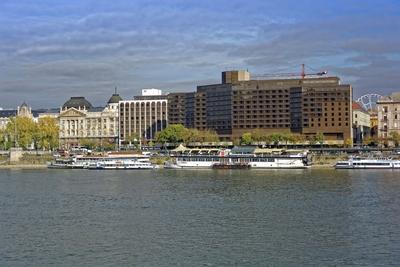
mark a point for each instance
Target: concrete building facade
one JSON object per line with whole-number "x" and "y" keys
{"x": 238, "y": 105}
{"x": 142, "y": 117}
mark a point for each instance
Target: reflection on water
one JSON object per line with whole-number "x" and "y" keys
{"x": 199, "y": 217}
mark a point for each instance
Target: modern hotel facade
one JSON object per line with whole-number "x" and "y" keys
{"x": 306, "y": 106}
{"x": 142, "y": 117}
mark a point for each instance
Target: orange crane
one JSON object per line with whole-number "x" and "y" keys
{"x": 302, "y": 74}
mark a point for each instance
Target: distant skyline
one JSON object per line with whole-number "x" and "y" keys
{"x": 52, "y": 50}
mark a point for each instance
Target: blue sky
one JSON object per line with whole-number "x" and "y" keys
{"x": 53, "y": 49}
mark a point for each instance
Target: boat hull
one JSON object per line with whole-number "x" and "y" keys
{"x": 360, "y": 164}
{"x": 121, "y": 168}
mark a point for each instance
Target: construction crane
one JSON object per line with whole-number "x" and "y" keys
{"x": 302, "y": 74}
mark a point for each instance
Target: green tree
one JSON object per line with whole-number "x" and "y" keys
{"x": 319, "y": 138}
{"x": 276, "y": 138}
{"x": 88, "y": 143}
{"x": 47, "y": 133}
{"x": 210, "y": 136}
{"x": 174, "y": 133}
{"x": 134, "y": 139}
{"x": 289, "y": 138}
{"x": 246, "y": 139}
{"x": 191, "y": 135}
{"x": 22, "y": 131}
{"x": 395, "y": 138}
{"x": 299, "y": 139}
{"x": 107, "y": 145}
{"x": 348, "y": 142}
{"x": 258, "y": 135}
{"x": 311, "y": 140}
{"x": 4, "y": 140}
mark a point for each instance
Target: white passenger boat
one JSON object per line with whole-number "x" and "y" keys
{"x": 267, "y": 162}
{"x": 368, "y": 163}
{"x": 125, "y": 164}
{"x": 83, "y": 162}
{"x": 233, "y": 159}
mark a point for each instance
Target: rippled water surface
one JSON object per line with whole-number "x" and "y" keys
{"x": 199, "y": 218}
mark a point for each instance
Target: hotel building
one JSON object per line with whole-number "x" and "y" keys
{"x": 142, "y": 117}
{"x": 238, "y": 105}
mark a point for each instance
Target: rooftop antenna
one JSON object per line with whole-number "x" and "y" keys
{"x": 115, "y": 90}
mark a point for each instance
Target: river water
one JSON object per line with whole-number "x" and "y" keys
{"x": 199, "y": 218}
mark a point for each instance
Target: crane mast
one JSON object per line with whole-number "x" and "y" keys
{"x": 303, "y": 74}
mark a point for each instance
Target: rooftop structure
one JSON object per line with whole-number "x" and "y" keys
{"x": 151, "y": 92}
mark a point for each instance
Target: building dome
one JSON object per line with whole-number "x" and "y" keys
{"x": 77, "y": 102}
{"x": 114, "y": 99}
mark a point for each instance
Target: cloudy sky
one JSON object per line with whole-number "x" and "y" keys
{"x": 53, "y": 49}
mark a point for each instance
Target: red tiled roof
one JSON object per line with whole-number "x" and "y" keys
{"x": 356, "y": 106}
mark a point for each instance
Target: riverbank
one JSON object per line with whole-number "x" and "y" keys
{"x": 22, "y": 166}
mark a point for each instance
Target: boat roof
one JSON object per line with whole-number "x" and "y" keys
{"x": 243, "y": 149}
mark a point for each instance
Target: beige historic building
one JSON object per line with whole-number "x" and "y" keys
{"x": 361, "y": 123}
{"x": 142, "y": 117}
{"x": 388, "y": 115}
{"x": 80, "y": 121}
{"x": 22, "y": 111}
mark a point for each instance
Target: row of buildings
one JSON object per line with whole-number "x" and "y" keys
{"x": 237, "y": 105}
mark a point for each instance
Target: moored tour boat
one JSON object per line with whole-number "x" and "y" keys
{"x": 126, "y": 164}
{"x": 368, "y": 163}
{"x": 238, "y": 158}
{"x": 83, "y": 162}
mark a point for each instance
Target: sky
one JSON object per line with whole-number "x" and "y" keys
{"x": 51, "y": 50}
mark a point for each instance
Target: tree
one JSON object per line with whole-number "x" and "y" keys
{"x": 299, "y": 139}
{"x": 133, "y": 139}
{"x": 4, "y": 140}
{"x": 174, "y": 133}
{"x": 369, "y": 140}
{"x": 382, "y": 141}
{"x": 21, "y": 131}
{"x": 395, "y": 138}
{"x": 311, "y": 140}
{"x": 348, "y": 142}
{"x": 246, "y": 139}
{"x": 107, "y": 145}
{"x": 88, "y": 143}
{"x": 206, "y": 136}
{"x": 289, "y": 138}
{"x": 276, "y": 138}
{"x": 191, "y": 135}
{"x": 319, "y": 138}
{"x": 47, "y": 133}
{"x": 258, "y": 135}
